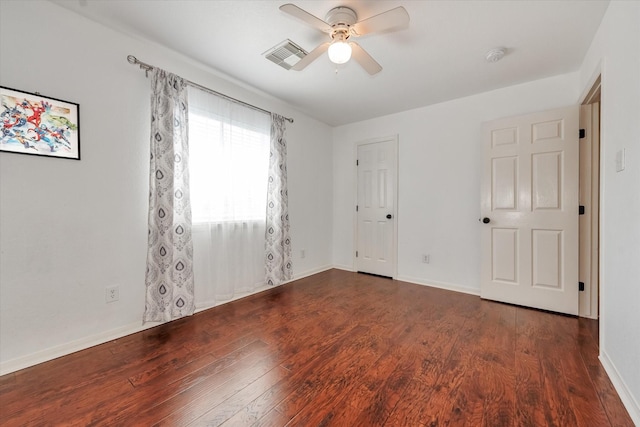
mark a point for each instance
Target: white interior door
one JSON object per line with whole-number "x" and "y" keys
{"x": 530, "y": 210}
{"x": 376, "y": 224}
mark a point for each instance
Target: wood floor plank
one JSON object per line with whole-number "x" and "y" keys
{"x": 6, "y": 381}
{"x": 154, "y": 364}
{"x": 84, "y": 367}
{"x": 265, "y": 404}
{"x": 236, "y": 403}
{"x": 336, "y": 348}
{"x": 381, "y": 387}
{"x": 474, "y": 383}
{"x": 609, "y": 399}
{"x": 579, "y": 385}
{"x": 272, "y": 418}
{"x": 542, "y": 387}
{"x": 256, "y": 411}
{"x": 486, "y": 396}
{"x": 52, "y": 394}
{"x": 323, "y": 376}
{"x": 340, "y": 384}
{"x": 149, "y": 397}
{"x": 193, "y": 403}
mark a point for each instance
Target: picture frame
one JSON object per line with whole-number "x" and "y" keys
{"x": 39, "y": 125}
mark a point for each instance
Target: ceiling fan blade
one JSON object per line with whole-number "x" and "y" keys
{"x": 394, "y": 19}
{"x": 311, "y": 56}
{"x": 364, "y": 59}
{"x": 305, "y": 16}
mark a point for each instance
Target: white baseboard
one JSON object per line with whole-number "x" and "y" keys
{"x": 311, "y": 272}
{"x": 113, "y": 334}
{"x": 441, "y": 285}
{"x": 344, "y": 267}
{"x": 206, "y": 305}
{"x": 430, "y": 283}
{"x": 71, "y": 347}
{"x": 628, "y": 400}
{"x": 591, "y": 316}
{"x": 210, "y": 304}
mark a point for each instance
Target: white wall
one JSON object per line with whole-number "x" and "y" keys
{"x": 68, "y": 229}
{"x": 439, "y": 179}
{"x": 615, "y": 52}
{"x": 439, "y": 185}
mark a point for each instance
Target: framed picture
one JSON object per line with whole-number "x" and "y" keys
{"x": 38, "y": 125}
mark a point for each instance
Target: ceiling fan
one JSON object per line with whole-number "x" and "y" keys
{"x": 341, "y": 23}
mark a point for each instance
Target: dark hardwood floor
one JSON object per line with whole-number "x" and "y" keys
{"x": 336, "y": 348}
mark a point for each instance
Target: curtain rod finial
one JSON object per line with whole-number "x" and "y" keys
{"x": 132, "y": 59}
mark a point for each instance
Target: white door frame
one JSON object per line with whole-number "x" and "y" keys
{"x": 589, "y": 198}
{"x": 592, "y": 89}
{"x": 394, "y": 244}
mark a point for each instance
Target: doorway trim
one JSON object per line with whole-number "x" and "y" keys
{"x": 592, "y": 92}
{"x": 589, "y": 233}
{"x": 394, "y": 138}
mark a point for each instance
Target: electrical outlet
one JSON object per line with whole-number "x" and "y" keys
{"x": 426, "y": 258}
{"x": 112, "y": 293}
{"x": 303, "y": 253}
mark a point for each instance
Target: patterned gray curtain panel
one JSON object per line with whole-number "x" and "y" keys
{"x": 169, "y": 276}
{"x": 278, "y": 242}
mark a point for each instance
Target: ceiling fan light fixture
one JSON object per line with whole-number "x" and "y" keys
{"x": 339, "y": 52}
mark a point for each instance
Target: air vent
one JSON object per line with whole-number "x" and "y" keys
{"x": 286, "y": 54}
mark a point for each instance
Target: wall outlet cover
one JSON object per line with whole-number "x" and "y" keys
{"x": 112, "y": 294}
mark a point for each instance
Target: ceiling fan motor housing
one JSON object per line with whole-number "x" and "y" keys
{"x": 341, "y": 16}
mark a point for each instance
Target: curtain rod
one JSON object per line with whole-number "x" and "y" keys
{"x": 146, "y": 67}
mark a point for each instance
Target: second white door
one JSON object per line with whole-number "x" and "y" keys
{"x": 376, "y": 208}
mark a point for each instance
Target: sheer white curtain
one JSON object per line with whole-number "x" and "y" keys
{"x": 229, "y": 161}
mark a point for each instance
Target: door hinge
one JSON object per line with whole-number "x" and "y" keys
{"x": 356, "y": 254}
{"x": 581, "y": 286}
{"x": 356, "y": 208}
{"x": 357, "y": 162}
{"x": 583, "y": 133}
{"x": 581, "y": 210}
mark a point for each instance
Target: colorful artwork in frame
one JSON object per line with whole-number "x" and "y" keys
{"x": 38, "y": 125}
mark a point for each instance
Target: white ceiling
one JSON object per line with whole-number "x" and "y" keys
{"x": 438, "y": 58}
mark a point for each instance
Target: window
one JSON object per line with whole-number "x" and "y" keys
{"x": 229, "y": 160}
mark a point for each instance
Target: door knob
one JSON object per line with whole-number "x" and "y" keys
{"x": 486, "y": 220}
{"x": 389, "y": 216}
